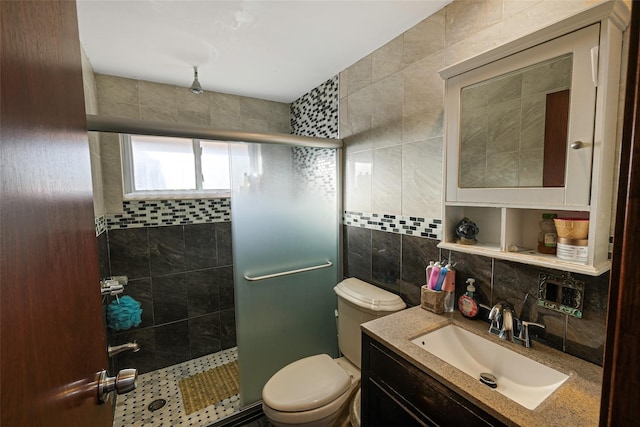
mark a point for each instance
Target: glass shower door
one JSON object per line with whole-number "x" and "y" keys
{"x": 285, "y": 218}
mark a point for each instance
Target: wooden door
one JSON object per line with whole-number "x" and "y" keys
{"x": 621, "y": 379}
{"x": 52, "y": 337}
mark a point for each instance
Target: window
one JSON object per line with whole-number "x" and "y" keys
{"x": 155, "y": 166}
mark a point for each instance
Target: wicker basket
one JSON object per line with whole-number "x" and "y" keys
{"x": 432, "y": 300}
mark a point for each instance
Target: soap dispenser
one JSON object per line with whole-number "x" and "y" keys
{"x": 467, "y": 303}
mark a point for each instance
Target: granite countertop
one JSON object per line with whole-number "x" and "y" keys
{"x": 576, "y": 402}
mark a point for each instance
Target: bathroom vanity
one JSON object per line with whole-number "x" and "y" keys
{"x": 402, "y": 384}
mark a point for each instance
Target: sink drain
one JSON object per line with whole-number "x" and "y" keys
{"x": 156, "y": 404}
{"x": 488, "y": 379}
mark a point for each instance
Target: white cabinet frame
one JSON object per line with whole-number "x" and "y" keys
{"x": 589, "y": 176}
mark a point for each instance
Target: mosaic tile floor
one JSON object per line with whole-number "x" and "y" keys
{"x": 132, "y": 408}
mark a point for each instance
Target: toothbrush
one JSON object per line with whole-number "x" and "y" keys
{"x": 433, "y": 278}
{"x": 441, "y": 275}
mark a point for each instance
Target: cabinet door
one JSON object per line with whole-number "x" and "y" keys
{"x": 392, "y": 387}
{"x": 385, "y": 410}
{"x": 496, "y": 125}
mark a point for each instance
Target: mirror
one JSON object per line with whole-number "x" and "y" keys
{"x": 513, "y": 127}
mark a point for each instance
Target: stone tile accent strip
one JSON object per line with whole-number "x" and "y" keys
{"x": 414, "y": 226}
{"x": 155, "y": 213}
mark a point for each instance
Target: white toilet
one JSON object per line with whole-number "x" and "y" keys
{"x": 314, "y": 391}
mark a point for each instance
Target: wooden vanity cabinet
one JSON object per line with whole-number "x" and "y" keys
{"x": 396, "y": 393}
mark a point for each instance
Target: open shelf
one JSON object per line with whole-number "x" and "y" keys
{"x": 530, "y": 257}
{"x": 511, "y": 233}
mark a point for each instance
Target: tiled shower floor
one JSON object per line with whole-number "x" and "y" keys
{"x": 131, "y": 408}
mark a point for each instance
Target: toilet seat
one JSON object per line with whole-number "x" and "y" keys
{"x": 322, "y": 416}
{"x": 306, "y": 384}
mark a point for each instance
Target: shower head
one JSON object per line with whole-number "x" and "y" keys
{"x": 195, "y": 86}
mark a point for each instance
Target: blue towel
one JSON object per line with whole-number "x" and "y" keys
{"x": 123, "y": 314}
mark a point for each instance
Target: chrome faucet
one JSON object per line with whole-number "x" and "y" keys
{"x": 504, "y": 323}
{"x": 130, "y": 346}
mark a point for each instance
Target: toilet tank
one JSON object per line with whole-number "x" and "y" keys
{"x": 360, "y": 302}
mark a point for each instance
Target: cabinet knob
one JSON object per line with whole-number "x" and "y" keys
{"x": 576, "y": 145}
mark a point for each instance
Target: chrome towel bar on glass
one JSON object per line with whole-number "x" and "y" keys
{"x": 286, "y": 273}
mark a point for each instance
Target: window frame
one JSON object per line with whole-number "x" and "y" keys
{"x": 128, "y": 176}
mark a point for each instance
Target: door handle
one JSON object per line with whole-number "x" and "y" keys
{"x": 124, "y": 382}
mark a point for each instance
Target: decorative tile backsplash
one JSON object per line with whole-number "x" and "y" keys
{"x": 155, "y": 213}
{"x": 316, "y": 112}
{"x": 411, "y": 225}
{"x": 101, "y": 224}
{"x": 315, "y": 170}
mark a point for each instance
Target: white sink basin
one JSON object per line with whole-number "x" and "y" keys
{"x": 519, "y": 378}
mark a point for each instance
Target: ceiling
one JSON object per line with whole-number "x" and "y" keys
{"x": 276, "y": 50}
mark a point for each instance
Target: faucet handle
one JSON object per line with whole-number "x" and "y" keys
{"x": 523, "y": 337}
{"x": 507, "y": 324}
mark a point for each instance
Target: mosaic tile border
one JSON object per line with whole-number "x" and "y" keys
{"x": 316, "y": 112}
{"x": 157, "y": 213}
{"x": 430, "y": 228}
{"x": 315, "y": 171}
{"x": 101, "y": 224}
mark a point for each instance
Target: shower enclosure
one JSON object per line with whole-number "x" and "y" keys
{"x": 285, "y": 228}
{"x": 285, "y": 243}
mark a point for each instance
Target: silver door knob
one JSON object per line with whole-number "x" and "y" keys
{"x": 122, "y": 383}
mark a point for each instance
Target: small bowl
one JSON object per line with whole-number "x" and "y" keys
{"x": 572, "y": 228}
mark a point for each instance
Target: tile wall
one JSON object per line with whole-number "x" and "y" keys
{"x": 143, "y": 100}
{"x": 391, "y": 119}
{"x": 316, "y": 113}
{"x": 183, "y": 277}
{"x": 397, "y": 263}
{"x": 154, "y": 213}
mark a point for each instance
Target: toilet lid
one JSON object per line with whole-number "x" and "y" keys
{"x": 365, "y": 295}
{"x": 306, "y": 384}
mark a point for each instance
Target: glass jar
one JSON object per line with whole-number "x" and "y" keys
{"x": 548, "y": 237}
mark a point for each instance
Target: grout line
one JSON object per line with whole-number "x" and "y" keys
{"x": 564, "y": 333}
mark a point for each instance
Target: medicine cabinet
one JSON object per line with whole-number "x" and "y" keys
{"x": 530, "y": 129}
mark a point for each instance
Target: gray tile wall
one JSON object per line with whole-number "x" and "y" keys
{"x": 183, "y": 277}
{"x": 391, "y": 119}
{"x": 139, "y": 99}
{"x": 397, "y": 263}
